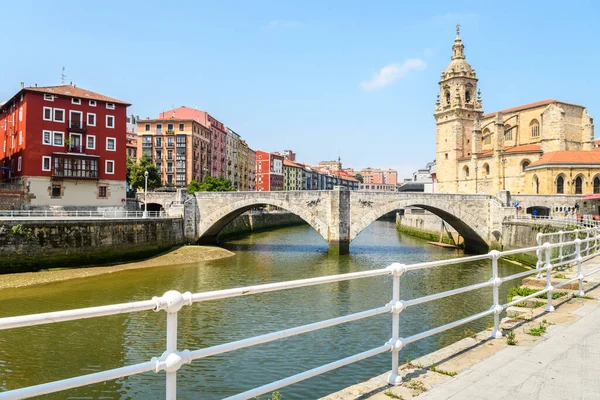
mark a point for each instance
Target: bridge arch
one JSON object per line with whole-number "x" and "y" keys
{"x": 214, "y": 219}
{"x": 464, "y": 218}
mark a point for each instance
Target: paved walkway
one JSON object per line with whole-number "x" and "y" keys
{"x": 565, "y": 366}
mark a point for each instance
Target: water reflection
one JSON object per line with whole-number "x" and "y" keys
{"x": 40, "y": 354}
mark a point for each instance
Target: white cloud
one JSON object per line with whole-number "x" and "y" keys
{"x": 281, "y": 24}
{"x": 392, "y": 72}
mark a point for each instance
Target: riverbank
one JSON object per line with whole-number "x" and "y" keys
{"x": 179, "y": 255}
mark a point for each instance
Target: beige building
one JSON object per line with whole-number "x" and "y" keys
{"x": 178, "y": 147}
{"x": 543, "y": 147}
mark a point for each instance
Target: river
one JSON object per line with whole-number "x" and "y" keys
{"x": 41, "y": 354}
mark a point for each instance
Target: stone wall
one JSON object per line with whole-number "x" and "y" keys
{"x": 35, "y": 245}
{"x": 248, "y": 223}
{"x": 420, "y": 223}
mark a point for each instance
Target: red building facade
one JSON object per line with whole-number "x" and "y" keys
{"x": 66, "y": 144}
{"x": 269, "y": 171}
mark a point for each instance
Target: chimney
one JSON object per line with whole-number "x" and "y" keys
{"x": 22, "y": 85}
{"x": 36, "y": 85}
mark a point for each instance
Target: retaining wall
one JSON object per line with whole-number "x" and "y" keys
{"x": 34, "y": 245}
{"x": 246, "y": 224}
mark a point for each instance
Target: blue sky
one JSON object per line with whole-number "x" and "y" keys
{"x": 301, "y": 75}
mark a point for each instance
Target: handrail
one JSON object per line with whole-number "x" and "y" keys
{"x": 62, "y": 214}
{"x": 173, "y": 301}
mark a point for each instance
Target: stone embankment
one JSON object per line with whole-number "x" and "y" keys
{"x": 249, "y": 223}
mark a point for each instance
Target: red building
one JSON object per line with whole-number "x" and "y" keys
{"x": 269, "y": 171}
{"x": 218, "y": 136}
{"x": 66, "y": 145}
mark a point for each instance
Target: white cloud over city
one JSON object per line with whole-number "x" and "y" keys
{"x": 392, "y": 72}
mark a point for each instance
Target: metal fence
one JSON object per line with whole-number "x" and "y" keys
{"x": 172, "y": 301}
{"x": 62, "y": 214}
{"x": 558, "y": 221}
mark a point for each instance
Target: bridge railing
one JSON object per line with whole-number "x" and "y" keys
{"x": 554, "y": 220}
{"x": 62, "y": 214}
{"x": 173, "y": 301}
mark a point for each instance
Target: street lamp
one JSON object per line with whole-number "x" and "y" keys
{"x": 145, "y": 215}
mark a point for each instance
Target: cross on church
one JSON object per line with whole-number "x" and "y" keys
{"x": 457, "y": 29}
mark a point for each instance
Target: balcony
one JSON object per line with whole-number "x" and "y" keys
{"x": 73, "y": 166}
{"x": 73, "y": 148}
{"x": 77, "y": 126}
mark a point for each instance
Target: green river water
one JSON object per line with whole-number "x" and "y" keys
{"x": 35, "y": 355}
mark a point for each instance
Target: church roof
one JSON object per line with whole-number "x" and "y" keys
{"x": 568, "y": 157}
{"x": 522, "y": 107}
{"x": 526, "y": 148}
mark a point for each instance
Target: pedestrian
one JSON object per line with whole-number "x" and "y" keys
{"x": 535, "y": 212}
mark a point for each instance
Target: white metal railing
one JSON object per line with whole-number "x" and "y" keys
{"x": 587, "y": 221}
{"x": 61, "y": 214}
{"x": 173, "y": 301}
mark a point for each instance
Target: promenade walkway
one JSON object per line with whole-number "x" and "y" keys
{"x": 562, "y": 364}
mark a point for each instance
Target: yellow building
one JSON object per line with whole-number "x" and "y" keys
{"x": 544, "y": 147}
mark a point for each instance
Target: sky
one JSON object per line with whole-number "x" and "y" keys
{"x": 351, "y": 79}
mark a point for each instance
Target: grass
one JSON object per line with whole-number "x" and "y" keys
{"x": 539, "y": 331}
{"x": 584, "y": 297}
{"x": 389, "y": 393}
{"x": 560, "y": 276}
{"x": 538, "y": 304}
{"x": 523, "y": 291}
{"x": 274, "y": 396}
{"x": 433, "y": 368}
{"x": 511, "y": 339}
{"x": 416, "y": 385}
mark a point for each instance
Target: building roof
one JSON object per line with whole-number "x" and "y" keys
{"x": 291, "y": 164}
{"x": 74, "y": 91}
{"x": 185, "y": 113}
{"x": 526, "y": 148}
{"x": 528, "y": 106}
{"x": 568, "y": 157}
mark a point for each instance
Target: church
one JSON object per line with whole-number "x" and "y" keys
{"x": 546, "y": 147}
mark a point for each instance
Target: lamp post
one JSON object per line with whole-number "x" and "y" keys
{"x": 145, "y": 215}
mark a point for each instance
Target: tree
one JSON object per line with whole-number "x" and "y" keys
{"x": 359, "y": 177}
{"x": 210, "y": 184}
{"x": 135, "y": 174}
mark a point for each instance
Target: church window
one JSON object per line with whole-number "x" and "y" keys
{"x": 446, "y": 156}
{"x": 447, "y": 97}
{"x": 578, "y": 185}
{"x": 596, "y": 185}
{"x": 466, "y": 171}
{"x": 508, "y": 132}
{"x": 524, "y": 165}
{"x": 560, "y": 185}
{"x": 468, "y": 96}
{"x": 487, "y": 137}
{"x": 536, "y": 184}
{"x": 486, "y": 169}
{"x": 535, "y": 128}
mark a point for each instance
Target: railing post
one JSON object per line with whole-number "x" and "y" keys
{"x": 496, "y": 333}
{"x": 578, "y": 259}
{"x": 394, "y": 378}
{"x": 539, "y": 253}
{"x": 548, "y": 267}
{"x": 560, "y": 249}
{"x": 587, "y": 243}
{"x": 171, "y": 383}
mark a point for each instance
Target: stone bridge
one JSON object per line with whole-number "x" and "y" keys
{"x": 339, "y": 215}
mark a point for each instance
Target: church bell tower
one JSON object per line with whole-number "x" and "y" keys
{"x": 457, "y": 107}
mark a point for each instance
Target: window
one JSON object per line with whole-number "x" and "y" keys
{"x": 111, "y": 144}
{"x": 446, "y": 156}
{"x": 110, "y": 121}
{"x": 180, "y": 127}
{"x": 47, "y": 137}
{"x": 91, "y": 119}
{"x": 158, "y": 154}
{"x": 468, "y": 96}
{"x": 524, "y": 165}
{"x": 91, "y": 142}
{"x": 534, "y": 125}
{"x": 76, "y": 101}
{"x": 59, "y": 139}
{"x": 508, "y": 132}
{"x": 578, "y": 184}
{"x": 20, "y": 113}
{"x": 147, "y": 127}
{"x": 170, "y": 141}
{"x": 466, "y": 171}
{"x": 158, "y": 142}
{"x": 19, "y": 163}
{"x": 46, "y": 163}
{"x": 596, "y": 185}
{"x": 109, "y": 167}
{"x": 48, "y": 97}
{"x": 169, "y": 127}
{"x": 20, "y": 137}
{"x": 169, "y": 167}
{"x": 59, "y": 115}
{"x": 560, "y": 185}
{"x": 92, "y": 103}
{"x": 536, "y": 184}
{"x": 56, "y": 191}
{"x": 110, "y": 106}
{"x": 47, "y": 114}
{"x": 102, "y": 192}
{"x": 486, "y": 169}
{"x": 170, "y": 179}
{"x": 75, "y": 119}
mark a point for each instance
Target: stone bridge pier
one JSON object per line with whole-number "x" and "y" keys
{"x": 340, "y": 215}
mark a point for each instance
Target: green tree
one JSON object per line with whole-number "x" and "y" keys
{"x": 135, "y": 174}
{"x": 359, "y": 177}
{"x": 210, "y": 184}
